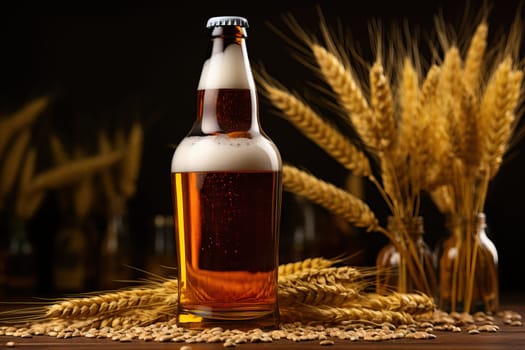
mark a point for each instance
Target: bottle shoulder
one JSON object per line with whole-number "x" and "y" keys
{"x": 223, "y": 153}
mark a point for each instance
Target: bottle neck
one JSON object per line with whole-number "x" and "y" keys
{"x": 227, "y": 97}
{"x": 463, "y": 225}
{"x": 413, "y": 226}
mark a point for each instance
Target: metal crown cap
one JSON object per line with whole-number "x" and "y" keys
{"x": 227, "y": 21}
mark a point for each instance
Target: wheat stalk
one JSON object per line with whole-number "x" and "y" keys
{"x": 383, "y": 107}
{"x": 304, "y": 265}
{"x": 327, "y": 195}
{"x": 325, "y": 275}
{"x": 318, "y": 130}
{"x": 408, "y": 102}
{"x": 419, "y": 133}
{"x": 294, "y": 292}
{"x": 463, "y": 104}
{"x": 440, "y": 153}
{"x": 83, "y": 197}
{"x": 460, "y": 106}
{"x": 334, "y": 314}
{"x": 132, "y": 160}
{"x": 411, "y": 303}
{"x": 27, "y": 172}
{"x": 435, "y": 144}
{"x": 474, "y": 59}
{"x": 73, "y": 171}
{"x": 106, "y": 176}
{"x": 309, "y": 294}
{"x": 58, "y": 151}
{"x": 349, "y": 94}
{"x": 21, "y": 119}
{"x": 480, "y": 119}
{"x": 12, "y": 162}
{"x": 111, "y": 303}
{"x": 497, "y": 114}
{"x": 443, "y": 198}
{"x": 27, "y": 204}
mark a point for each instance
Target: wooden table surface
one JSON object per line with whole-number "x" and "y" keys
{"x": 508, "y": 337}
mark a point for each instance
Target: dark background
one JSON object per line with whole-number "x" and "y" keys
{"x": 110, "y": 62}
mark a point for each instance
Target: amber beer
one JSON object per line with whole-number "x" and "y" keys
{"x": 226, "y": 185}
{"x": 227, "y": 222}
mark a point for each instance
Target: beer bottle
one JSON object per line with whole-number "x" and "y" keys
{"x": 226, "y": 183}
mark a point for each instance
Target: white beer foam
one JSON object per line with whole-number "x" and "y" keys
{"x": 222, "y": 153}
{"x": 227, "y": 70}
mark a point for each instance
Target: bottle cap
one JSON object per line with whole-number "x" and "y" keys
{"x": 227, "y": 21}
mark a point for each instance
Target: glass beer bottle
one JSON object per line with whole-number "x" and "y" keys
{"x": 227, "y": 187}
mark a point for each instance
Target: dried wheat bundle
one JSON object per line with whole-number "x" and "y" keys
{"x": 444, "y": 131}
{"x": 313, "y": 290}
{"x": 394, "y": 125}
{"x": 479, "y": 96}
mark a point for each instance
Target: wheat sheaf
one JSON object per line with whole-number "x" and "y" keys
{"x": 312, "y": 290}
{"x": 441, "y": 129}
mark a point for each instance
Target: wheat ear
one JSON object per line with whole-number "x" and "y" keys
{"x": 296, "y": 292}
{"x": 469, "y": 124}
{"x": 106, "y": 176}
{"x": 422, "y": 132}
{"x": 303, "y": 265}
{"x": 383, "y": 106}
{"x": 12, "y": 162}
{"x": 28, "y": 203}
{"x": 497, "y": 114}
{"x": 453, "y": 97}
{"x": 349, "y": 94}
{"x": 326, "y": 275}
{"x": 132, "y": 160}
{"x": 436, "y": 172}
{"x": 474, "y": 59}
{"x": 333, "y": 314}
{"x": 73, "y": 171}
{"x": 463, "y": 103}
{"x": 411, "y": 303}
{"x": 408, "y": 101}
{"x": 21, "y": 119}
{"x": 111, "y": 303}
{"x": 443, "y": 199}
{"x": 58, "y": 151}
{"x": 319, "y": 130}
{"x": 329, "y": 196}
{"x": 83, "y": 197}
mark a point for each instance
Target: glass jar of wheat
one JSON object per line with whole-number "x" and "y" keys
{"x": 468, "y": 267}
{"x": 396, "y": 261}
